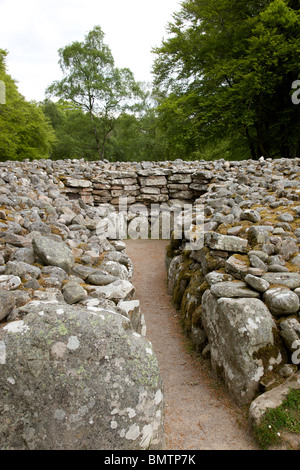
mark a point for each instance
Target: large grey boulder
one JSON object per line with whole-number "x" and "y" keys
{"x": 53, "y": 253}
{"x": 240, "y": 332}
{"x": 74, "y": 378}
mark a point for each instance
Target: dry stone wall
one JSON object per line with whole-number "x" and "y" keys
{"x": 146, "y": 183}
{"x": 238, "y": 287}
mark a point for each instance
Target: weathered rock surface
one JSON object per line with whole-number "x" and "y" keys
{"x": 53, "y": 253}
{"x": 272, "y": 399}
{"x": 99, "y": 379}
{"x": 238, "y": 331}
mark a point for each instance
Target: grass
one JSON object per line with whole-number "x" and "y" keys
{"x": 275, "y": 421}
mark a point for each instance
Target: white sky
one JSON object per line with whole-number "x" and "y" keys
{"x": 33, "y": 31}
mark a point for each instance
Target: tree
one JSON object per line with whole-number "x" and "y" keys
{"x": 137, "y": 139}
{"x": 73, "y": 130}
{"x": 95, "y": 85}
{"x": 227, "y": 70}
{"x": 24, "y": 130}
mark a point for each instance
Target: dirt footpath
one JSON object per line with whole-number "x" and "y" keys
{"x": 199, "y": 412}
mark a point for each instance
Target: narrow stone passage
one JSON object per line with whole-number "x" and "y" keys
{"x": 199, "y": 413}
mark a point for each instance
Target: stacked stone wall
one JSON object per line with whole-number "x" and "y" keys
{"x": 146, "y": 183}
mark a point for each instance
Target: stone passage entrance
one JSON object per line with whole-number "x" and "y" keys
{"x": 198, "y": 416}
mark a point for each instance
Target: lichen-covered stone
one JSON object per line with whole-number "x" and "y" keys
{"x": 53, "y": 253}
{"x": 233, "y": 289}
{"x": 218, "y": 241}
{"x": 74, "y": 378}
{"x": 282, "y": 301}
{"x": 237, "y": 330}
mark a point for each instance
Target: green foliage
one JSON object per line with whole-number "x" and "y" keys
{"x": 94, "y": 85}
{"x": 137, "y": 139}
{"x": 24, "y": 130}
{"x": 73, "y": 130}
{"x": 284, "y": 418}
{"x": 226, "y": 72}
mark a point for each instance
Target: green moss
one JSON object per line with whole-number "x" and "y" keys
{"x": 176, "y": 239}
{"x": 286, "y": 417}
{"x": 170, "y": 251}
{"x": 191, "y": 299}
{"x": 184, "y": 276}
{"x": 197, "y": 317}
{"x": 271, "y": 351}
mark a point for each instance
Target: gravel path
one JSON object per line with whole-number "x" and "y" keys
{"x": 199, "y": 413}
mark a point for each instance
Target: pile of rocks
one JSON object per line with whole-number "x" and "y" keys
{"x": 76, "y": 371}
{"x": 235, "y": 276}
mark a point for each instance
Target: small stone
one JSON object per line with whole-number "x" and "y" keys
{"x": 7, "y": 303}
{"x": 21, "y": 269}
{"x": 290, "y": 280}
{"x": 290, "y": 332}
{"x": 287, "y": 248}
{"x": 73, "y": 293}
{"x": 296, "y": 260}
{"x": 9, "y": 282}
{"x": 282, "y": 301}
{"x": 257, "y": 283}
{"x": 32, "y": 284}
{"x": 260, "y": 254}
{"x": 256, "y": 262}
{"x": 286, "y": 217}
{"x": 78, "y": 183}
{"x": 251, "y": 215}
{"x": 215, "y": 277}
{"x": 237, "y": 266}
{"x": 258, "y": 235}
{"x": 233, "y": 289}
{"x": 277, "y": 268}
{"x": 287, "y": 370}
{"x": 100, "y": 278}
{"x": 234, "y": 231}
{"x": 216, "y": 241}
{"x": 117, "y": 290}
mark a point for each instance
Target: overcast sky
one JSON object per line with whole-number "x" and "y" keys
{"x": 33, "y": 31}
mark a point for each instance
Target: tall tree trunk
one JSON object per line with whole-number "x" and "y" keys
{"x": 98, "y": 147}
{"x": 251, "y": 145}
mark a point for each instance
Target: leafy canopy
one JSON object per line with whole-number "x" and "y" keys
{"x": 93, "y": 83}
{"x": 24, "y": 130}
{"x": 226, "y": 71}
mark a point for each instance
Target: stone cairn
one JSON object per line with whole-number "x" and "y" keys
{"x": 76, "y": 369}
